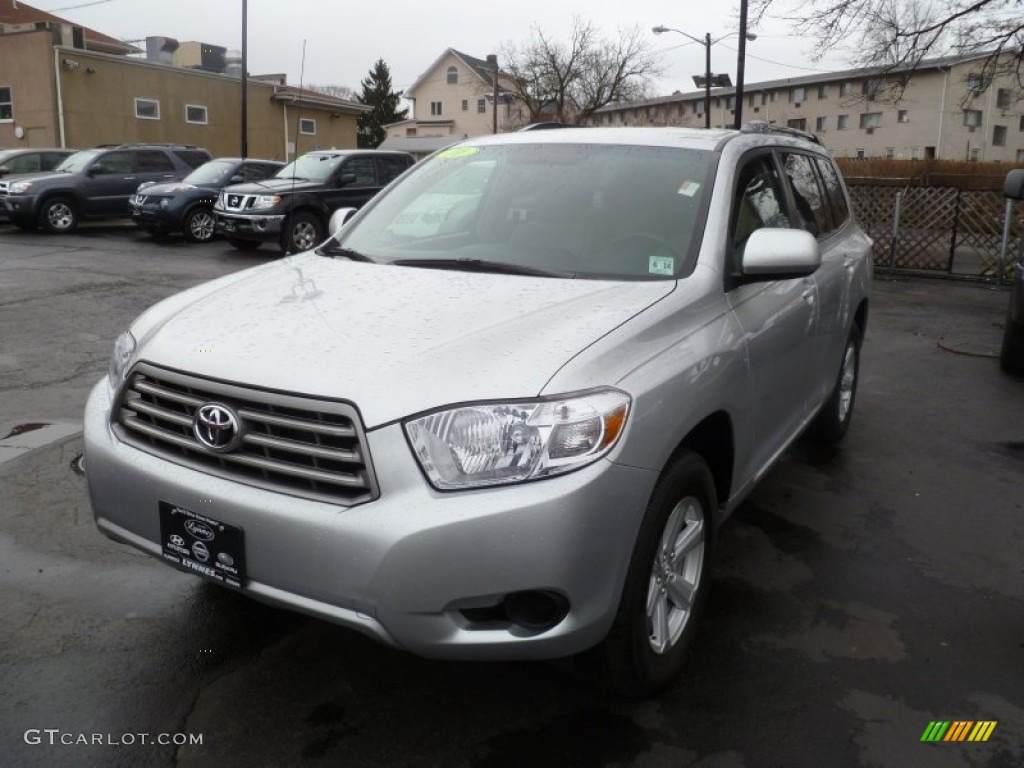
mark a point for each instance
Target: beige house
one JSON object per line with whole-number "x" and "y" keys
{"x": 944, "y": 110}
{"x": 455, "y": 97}
{"x": 89, "y": 92}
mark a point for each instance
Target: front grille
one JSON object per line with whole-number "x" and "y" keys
{"x": 291, "y": 444}
{"x": 233, "y": 202}
{"x": 4, "y": 188}
{"x": 140, "y": 199}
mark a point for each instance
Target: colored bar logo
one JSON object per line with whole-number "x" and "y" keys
{"x": 958, "y": 730}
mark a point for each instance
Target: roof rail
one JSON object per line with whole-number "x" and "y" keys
{"x": 151, "y": 144}
{"x": 760, "y": 126}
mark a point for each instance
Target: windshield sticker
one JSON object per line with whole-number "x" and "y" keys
{"x": 689, "y": 188}
{"x": 458, "y": 152}
{"x": 661, "y": 265}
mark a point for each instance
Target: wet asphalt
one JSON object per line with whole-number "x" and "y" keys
{"x": 858, "y": 594}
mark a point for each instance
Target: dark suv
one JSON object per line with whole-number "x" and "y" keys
{"x": 294, "y": 207}
{"x": 93, "y": 183}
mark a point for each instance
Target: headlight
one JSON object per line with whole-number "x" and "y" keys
{"x": 497, "y": 443}
{"x": 221, "y": 201}
{"x": 19, "y": 187}
{"x": 266, "y": 201}
{"x": 124, "y": 347}
{"x": 165, "y": 202}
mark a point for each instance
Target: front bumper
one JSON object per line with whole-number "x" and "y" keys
{"x": 148, "y": 215}
{"x": 401, "y": 567}
{"x": 19, "y": 206}
{"x": 249, "y": 226}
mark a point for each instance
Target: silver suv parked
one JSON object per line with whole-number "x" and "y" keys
{"x": 502, "y": 411}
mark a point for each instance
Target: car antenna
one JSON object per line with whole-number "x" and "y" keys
{"x": 298, "y": 124}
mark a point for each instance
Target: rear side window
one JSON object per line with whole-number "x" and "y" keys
{"x": 26, "y": 163}
{"x": 391, "y": 168}
{"x": 362, "y": 167}
{"x": 256, "y": 171}
{"x": 115, "y": 162}
{"x": 807, "y": 194}
{"x": 192, "y": 157}
{"x": 154, "y": 161}
{"x": 834, "y": 189}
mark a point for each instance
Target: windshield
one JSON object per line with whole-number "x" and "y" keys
{"x": 311, "y": 167}
{"x": 213, "y": 172}
{"x": 77, "y": 161}
{"x": 589, "y": 210}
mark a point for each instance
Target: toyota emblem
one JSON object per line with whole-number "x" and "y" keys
{"x": 216, "y": 426}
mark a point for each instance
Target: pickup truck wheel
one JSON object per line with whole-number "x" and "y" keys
{"x": 302, "y": 233}
{"x": 58, "y": 215}
{"x": 667, "y": 582}
{"x": 832, "y": 421}
{"x": 199, "y": 225}
{"x": 244, "y": 245}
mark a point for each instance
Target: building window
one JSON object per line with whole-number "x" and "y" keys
{"x": 799, "y": 123}
{"x": 871, "y": 120}
{"x": 822, "y": 92}
{"x": 307, "y": 125}
{"x": 846, "y": 89}
{"x": 6, "y": 105}
{"x": 410, "y": 131}
{"x": 871, "y": 88}
{"x": 1003, "y": 98}
{"x": 1020, "y": 155}
{"x": 465, "y": 105}
{"x": 902, "y": 116}
{"x": 147, "y": 109}
{"x": 890, "y": 153}
{"x": 452, "y": 76}
{"x": 1020, "y": 125}
{"x": 756, "y": 99}
{"x": 797, "y": 95}
{"x": 730, "y": 103}
{"x": 975, "y": 81}
{"x": 195, "y": 113}
{"x": 998, "y": 135}
{"x": 771, "y": 96}
{"x": 859, "y": 154}
{"x": 698, "y": 108}
{"x": 975, "y": 154}
{"x": 915, "y": 153}
{"x": 843, "y": 122}
{"x": 972, "y": 118}
{"x": 821, "y": 124}
{"x": 435, "y": 108}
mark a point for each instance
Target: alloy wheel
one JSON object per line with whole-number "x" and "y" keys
{"x": 675, "y": 575}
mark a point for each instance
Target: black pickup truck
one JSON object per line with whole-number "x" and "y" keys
{"x": 294, "y": 207}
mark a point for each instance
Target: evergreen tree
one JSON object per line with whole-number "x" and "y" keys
{"x": 378, "y": 95}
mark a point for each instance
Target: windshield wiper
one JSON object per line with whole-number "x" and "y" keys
{"x": 348, "y": 253}
{"x": 481, "y": 265}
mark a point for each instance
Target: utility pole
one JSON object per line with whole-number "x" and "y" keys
{"x": 492, "y": 59}
{"x": 707, "y": 80}
{"x": 740, "y": 59}
{"x": 245, "y": 76}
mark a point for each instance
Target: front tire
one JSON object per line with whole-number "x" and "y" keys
{"x": 199, "y": 225}
{"x": 667, "y": 583}
{"x": 832, "y": 421}
{"x": 59, "y": 215}
{"x": 303, "y": 232}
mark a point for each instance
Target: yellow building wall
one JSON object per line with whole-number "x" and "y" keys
{"x": 26, "y": 67}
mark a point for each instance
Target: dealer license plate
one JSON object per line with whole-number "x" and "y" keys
{"x": 199, "y": 544}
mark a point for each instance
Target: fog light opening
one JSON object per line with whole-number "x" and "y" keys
{"x": 536, "y": 609}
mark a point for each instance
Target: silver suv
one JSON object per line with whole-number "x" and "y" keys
{"x": 501, "y": 412}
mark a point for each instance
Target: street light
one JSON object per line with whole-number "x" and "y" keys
{"x": 709, "y": 79}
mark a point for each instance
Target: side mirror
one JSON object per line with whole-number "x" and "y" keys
{"x": 1013, "y": 187}
{"x": 780, "y": 254}
{"x": 347, "y": 178}
{"x": 338, "y": 220}
{"x": 236, "y": 179}
{"x": 94, "y": 170}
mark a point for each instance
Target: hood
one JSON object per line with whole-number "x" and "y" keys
{"x": 169, "y": 188}
{"x": 11, "y": 178}
{"x": 392, "y": 340}
{"x": 273, "y": 186}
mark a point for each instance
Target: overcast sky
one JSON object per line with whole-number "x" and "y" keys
{"x": 344, "y": 38}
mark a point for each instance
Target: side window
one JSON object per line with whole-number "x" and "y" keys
{"x": 27, "y": 163}
{"x": 51, "y": 160}
{"x": 193, "y": 157}
{"x": 759, "y": 202}
{"x": 255, "y": 171}
{"x": 834, "y": 189}
{"x": 807, "y": 194}
{"x": 391, "y": 168}
{"x": 115, "y": 162}
{"x": 362, "y": 167}
{"x": 154, "y": 161}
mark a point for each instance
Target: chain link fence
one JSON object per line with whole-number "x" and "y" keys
{"x": 941, "y": 230}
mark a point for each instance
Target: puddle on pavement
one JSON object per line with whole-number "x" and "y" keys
{"x": 21, "y": 429}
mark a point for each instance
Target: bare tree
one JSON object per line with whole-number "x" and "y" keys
{"x": 337, "y": 91}
{"x": 897, "y": 34}
{"x": 569, "y": 82}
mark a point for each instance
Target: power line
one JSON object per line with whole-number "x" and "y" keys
{"x": 80, "y": 5}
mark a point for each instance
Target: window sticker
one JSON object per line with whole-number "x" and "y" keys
{"x": 689, "y": 188}
{"x": 661, "y": 265}
{"x": 458, "y": 152}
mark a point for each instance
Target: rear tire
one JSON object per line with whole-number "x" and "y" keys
{"x": 59, "y": 216}
{"x": 667, "y": 583}
{"x": 199, "y": 225}
{"x": 832, "y": 421}
{"x": 244, "y": 245}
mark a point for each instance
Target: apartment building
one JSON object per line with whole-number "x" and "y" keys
{"x": 946, "y": 108}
